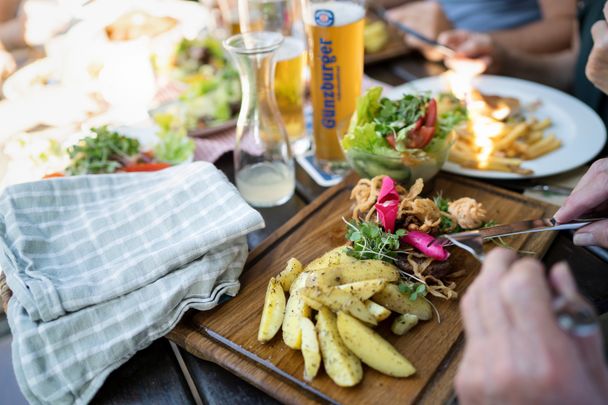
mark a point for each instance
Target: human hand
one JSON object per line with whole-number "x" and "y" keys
{"x": 427, "y": 18}
{"x": 515, "y": 352}
{"x": 473, "y": 46}
{"x": 590, "y": 195}
{"x": 597, "y": 64}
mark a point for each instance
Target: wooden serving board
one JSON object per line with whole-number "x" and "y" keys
{"x": 227, "y": 335}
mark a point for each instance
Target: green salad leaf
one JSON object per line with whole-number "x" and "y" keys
{"x": 174, "y": 146}
{"x": 365, "y": 138}
{"x": 377, "y": 117}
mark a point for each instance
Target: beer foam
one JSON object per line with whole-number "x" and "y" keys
{"x": 344, "y": 12}
{"x": 290, "y": 48}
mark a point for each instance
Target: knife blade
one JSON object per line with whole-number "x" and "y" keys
{"x": 521, "y": 227}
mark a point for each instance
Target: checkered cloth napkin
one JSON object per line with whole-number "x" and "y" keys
{"x": 100, "y": 266}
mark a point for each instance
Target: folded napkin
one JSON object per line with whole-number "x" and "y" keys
{"x": 100, "y": 266}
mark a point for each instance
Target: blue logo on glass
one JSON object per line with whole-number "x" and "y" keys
{"x": 324, "y": 18}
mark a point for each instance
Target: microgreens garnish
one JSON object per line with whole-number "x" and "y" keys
{"x": 371, "y": 242}
{"x": 414, "y": 290}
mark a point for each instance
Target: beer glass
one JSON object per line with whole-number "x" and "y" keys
{"x": 335, "y": 44}
{"x": 289, "y": 86}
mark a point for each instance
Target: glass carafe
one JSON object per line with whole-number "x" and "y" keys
{"x": 290, "y": 77}
{"x": 263, "y": 163}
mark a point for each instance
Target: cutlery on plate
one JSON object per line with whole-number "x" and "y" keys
{"x": 574, "y": 314}
{"x": 381, "y": 12}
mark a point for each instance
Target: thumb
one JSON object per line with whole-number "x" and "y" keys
{"x": 595, "y": 234}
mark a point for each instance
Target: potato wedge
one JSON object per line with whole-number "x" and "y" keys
{"x": 371, "y": 348}
{"x": 377, "y": 310}
{"x": 338, "y": 300}
{"x": 314, "y": 304}
{"x": 393, "y": 299}
{"x": 332, "y": 258}
{"x": 363, "y": 289}
{"x": 289, "y": 274}
{"x": 403, "y": 323}
{"x": 359, "y": 270}
{"x": 310, "y": 349}
{"x": 298, "y": 283}
{"x": 342, "y": 366}
{"x": 273, "y": 312}
{"x": 295, "y": 310}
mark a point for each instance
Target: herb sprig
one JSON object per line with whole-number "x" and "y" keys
{"x": 101, "y": 153}
{"x": 371, "y": 242}
{"x": 414, "y": 290}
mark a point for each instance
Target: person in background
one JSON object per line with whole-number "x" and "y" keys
{"x": 515, "y": 352}
{"x": 583, "y": 69}
{"x": 8, "y": 17}
{"x": 27, "y": 23}
{"x": 538, "y": 26}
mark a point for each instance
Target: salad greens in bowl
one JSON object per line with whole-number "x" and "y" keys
{"x": 405, "y": 139}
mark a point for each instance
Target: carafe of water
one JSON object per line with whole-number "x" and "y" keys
{"x": 263, "y": 163}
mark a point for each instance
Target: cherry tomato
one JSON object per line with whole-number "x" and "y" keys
{"x": 53, "y": 175}
{"x": 146, "y": 167}
{"x": 391, "y": 140}
{"x": 421, "y": 135}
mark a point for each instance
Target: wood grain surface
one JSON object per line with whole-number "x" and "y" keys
{"x": 227, "y": 335}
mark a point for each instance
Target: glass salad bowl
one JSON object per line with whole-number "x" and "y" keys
{"x": 405, "y": 138}
{"x": 406, "y": 168}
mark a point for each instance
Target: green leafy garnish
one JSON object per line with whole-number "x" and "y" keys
{"x": 447, "y": 225}
{"x": 371, "y": 242}
{"x": 174, "y": 146}
{"x": 101, "y": 153}
{"x": 414, "y": 290}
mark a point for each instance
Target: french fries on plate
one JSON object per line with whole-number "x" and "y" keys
{"x": 506, "y": 149}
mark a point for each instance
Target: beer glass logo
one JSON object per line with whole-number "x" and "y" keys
{"x": 324, "y": 18}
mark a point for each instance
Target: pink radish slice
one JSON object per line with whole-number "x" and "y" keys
{"x": 424, "y": 243}
{"x": 387, "y": 204}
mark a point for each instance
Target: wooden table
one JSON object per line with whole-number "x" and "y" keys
{"x": 164, "y": 373}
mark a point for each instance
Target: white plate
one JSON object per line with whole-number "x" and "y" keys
{"x": 36, "y": 75}
{"x": 580, "y": 129}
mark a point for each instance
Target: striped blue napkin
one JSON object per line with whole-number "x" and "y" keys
{"x": 100, "y": 266}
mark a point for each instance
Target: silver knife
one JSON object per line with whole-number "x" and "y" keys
{"x": 522, "y": 227}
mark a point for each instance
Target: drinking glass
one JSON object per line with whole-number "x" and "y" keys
{"x": 264, "y": 169}
{"x": 283, "y": 16}
{"x": 335, "y": 44}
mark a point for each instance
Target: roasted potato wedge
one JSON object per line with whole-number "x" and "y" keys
{"x": 393, "y": 299}
{"x": 403, "y": 323}
{"x": 363, "y": 289}
{"x": 310, "y": 349}
{"x": 314, "y": 304}
{"x": 289, "y": 274}
{"x": 371, "y": 348}
{"x": 295, "y": 310}
{"x": 338, "y": 300}
{"x": 273, "y": 312}
{"x": 359, "y": 270}
{"x": 377, "y": 310}
{"x": 298, "y": 283}
{"x": 332, "y": 258}
{"x": 342, "y": 366}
